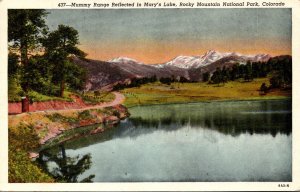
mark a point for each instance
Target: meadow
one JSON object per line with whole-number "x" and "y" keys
{"x": 158, "y": 93}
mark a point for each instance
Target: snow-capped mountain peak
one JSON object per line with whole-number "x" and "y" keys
{"x": 209, "y": 57}
{"x": 212, "y": 56}
{"x": 184, "y": 61}
{"x": 261, "y": 57}
{"x": 196, "y": 61}
{"x": 188, "y": 62}
{"x": 124, "y": 60}
{"x": 211, "y": 53}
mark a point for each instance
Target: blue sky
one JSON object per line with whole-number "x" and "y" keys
{"x": 157, "y": 35}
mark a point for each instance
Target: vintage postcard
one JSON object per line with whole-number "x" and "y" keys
{"x": 149, "y": 95}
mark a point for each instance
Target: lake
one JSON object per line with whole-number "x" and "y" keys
{"x": 195, "y": 142}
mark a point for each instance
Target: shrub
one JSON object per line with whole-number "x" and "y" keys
{"x": 20, "y": 168}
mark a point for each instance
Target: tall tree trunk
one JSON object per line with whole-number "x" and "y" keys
{"x": 24, "y": 52}
{"x": 24, "y": 62}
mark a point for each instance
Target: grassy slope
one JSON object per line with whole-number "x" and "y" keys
{"x": 35, "y": 96}
{"x": 23, "y": 139}
{"x": 89, "y": 97}
{"x": 21, "y": 169}
{"x": 14, "y": 94}
{"x": 157, "y": 93}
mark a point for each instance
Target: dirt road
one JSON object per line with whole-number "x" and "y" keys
{"x": 77, "y": 104}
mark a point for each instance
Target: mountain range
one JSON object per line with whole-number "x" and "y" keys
{"x": 106, "y": 74}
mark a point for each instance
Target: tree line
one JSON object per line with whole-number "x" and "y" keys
{"x": 38, "y": 58}
{"x": 137, "y": 82}
{"x": 279, "y": 69}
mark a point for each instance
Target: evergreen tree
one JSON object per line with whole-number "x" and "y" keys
{"x": 217, "y": 76}
{"x": 25, "y": 28}
{"x": 248, "y": 72}
{"x": 205, "y": 76}
{"x": 13, "y": 60}
{"x": 263, "y": 88}
{"x": 224, "y": 75}
{"x": 59, "y": 44}
{"x": 234, "y": 72}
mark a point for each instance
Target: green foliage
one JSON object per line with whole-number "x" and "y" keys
{"x": 25, "y": 28}
{"x": 43, "y": 77}
{"x": 136, "y": 82}
{"x": 37, "y": 75}
{"x": 84, "y": 115}
{"x": 217, "y": 76}
{"x": 21, "y": 168}
{"x": 68, "y": 168}
{"x": 263, "y": 88}
{"x": 225, "y": 76}
{"x": 183, "y": 80}
{"x": 13, "y": 60}
{"x": 59, "y": 44}
{"x": 57, "y": 117}
{"x": 90, "y": 98}
{"x": 276, "y": 80}
{"x": 281, "y": 75}
{"x": 25, "y": 24}
{"x": 165, "y": 80}
{"x": 205, "y": 76}
{"x": 172, "y": 79}
{"x": 15, "y": 91}
{"x": 63, "y": 41}
{"x": 279, "y": 69}
{"x": 97, "y": 93}
{"x": 248, "y": 72}
{"x": 76, "y": 76}
{"x": 157, "y": 93}
{"x": 234, "y": 72}
{"x": 48, "y": 73}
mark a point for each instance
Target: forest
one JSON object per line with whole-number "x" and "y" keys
{"x": 278, "y": 69}
{"x": 38, "y": 58}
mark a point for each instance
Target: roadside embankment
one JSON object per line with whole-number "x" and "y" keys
{"x": 76, "y": 103}
{"x": 29, "y": 131}
{"x": 49, "y": 124}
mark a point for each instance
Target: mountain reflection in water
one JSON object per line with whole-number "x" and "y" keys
{"x": 230, "y": 119}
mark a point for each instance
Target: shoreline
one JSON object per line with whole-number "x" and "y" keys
{"x": 28, "y": 132}
{"x": 32, "y": 132}
{"x": 49, "y": 124}
{"x": 112, "y": 121}
{"x": 211, "y": 101}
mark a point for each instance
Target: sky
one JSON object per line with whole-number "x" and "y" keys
{"x": 155, "y": 36}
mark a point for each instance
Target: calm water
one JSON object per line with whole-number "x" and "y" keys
{"x": 220, "y": 141}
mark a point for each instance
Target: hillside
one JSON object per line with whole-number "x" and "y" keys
{"x": 106, "y": 74}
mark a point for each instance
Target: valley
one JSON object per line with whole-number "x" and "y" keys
{"x": 105, "y": 75}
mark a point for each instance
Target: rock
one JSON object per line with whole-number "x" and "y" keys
{"x": 33, "y": 155}
{"x": 111, "y": 119}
